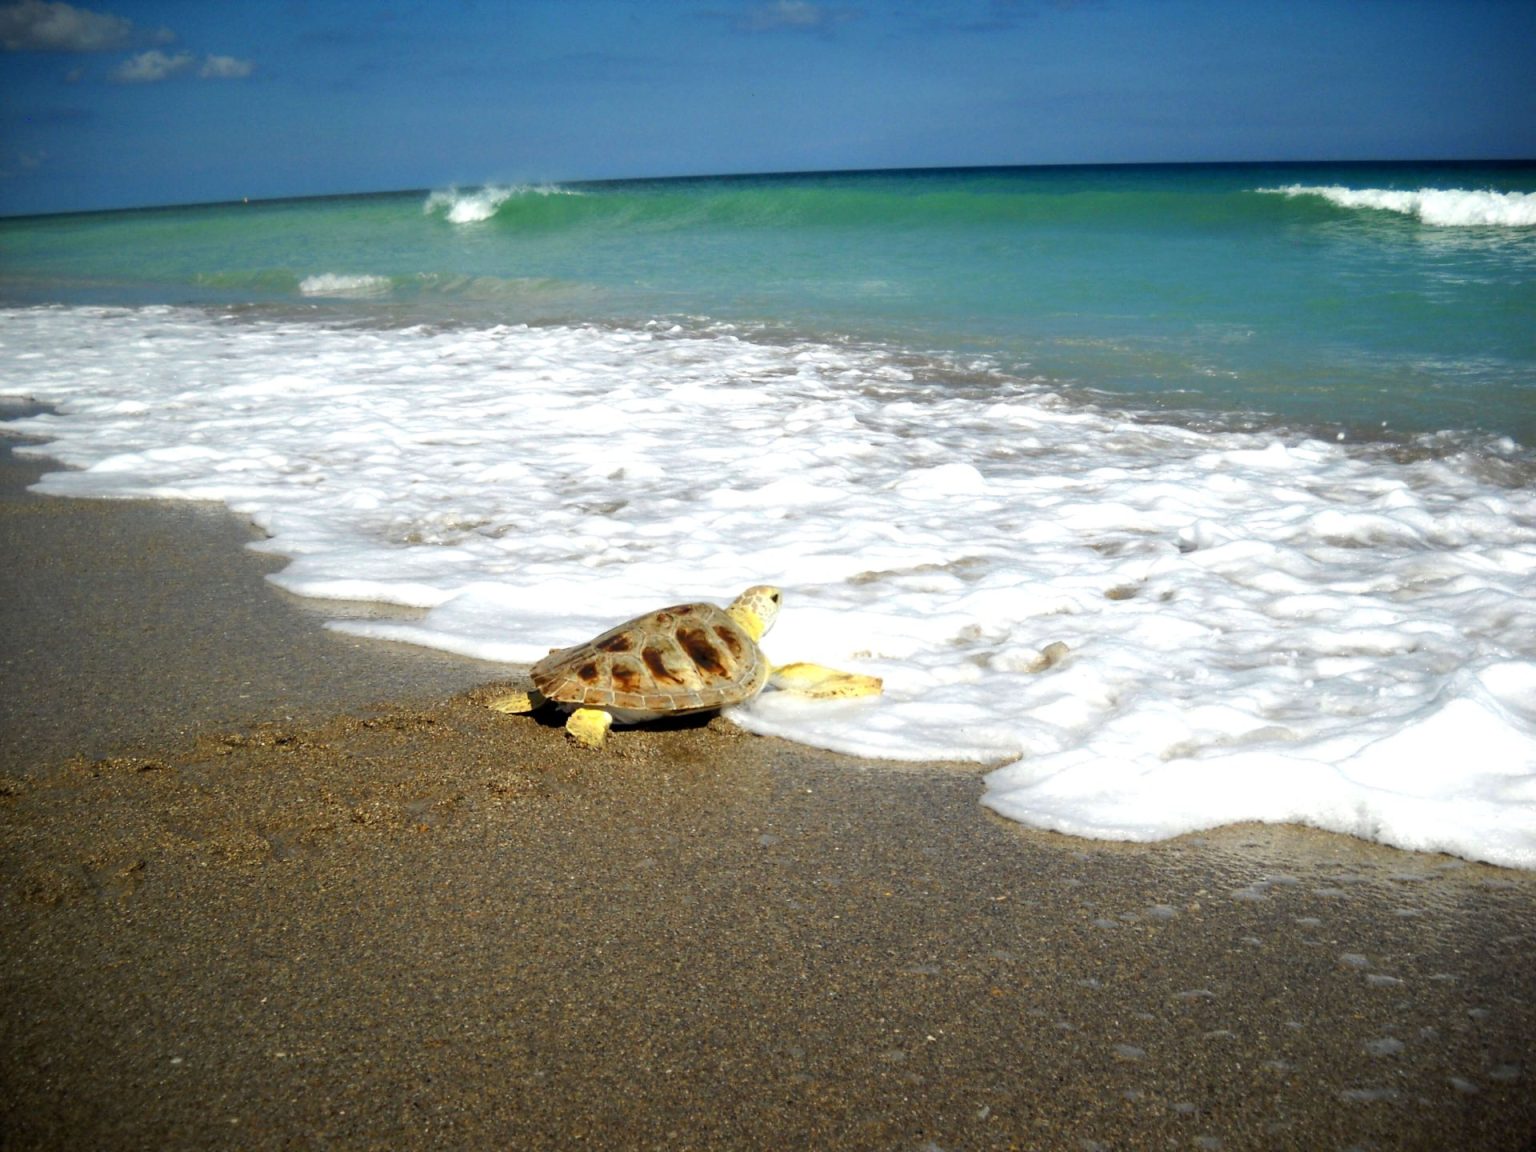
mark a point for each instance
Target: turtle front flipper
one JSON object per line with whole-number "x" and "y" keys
{"x": 589, "y": 727}
{"x": 821, "y": 683}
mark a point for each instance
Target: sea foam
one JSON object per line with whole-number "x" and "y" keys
{"x": 349, "y": 286}
{"x": 1259, "y": 628}
{"x": 478, "y": 205}
{"x": 1441, "y": 207}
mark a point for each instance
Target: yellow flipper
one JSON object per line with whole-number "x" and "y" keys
{"x": 516, "y": 702}
{"x": 589, "y": 727}
{"x": 820, "y": 683}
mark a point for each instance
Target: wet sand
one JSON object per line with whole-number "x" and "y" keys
{"x": 268, "y": 887}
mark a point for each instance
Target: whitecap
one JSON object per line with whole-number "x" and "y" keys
{"x": 351, "y": 286}
{"x": 479, "y": 205}
{"x": 1441, "y": 207}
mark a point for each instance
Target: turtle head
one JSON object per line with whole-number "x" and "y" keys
{"x": 756, "y": 609}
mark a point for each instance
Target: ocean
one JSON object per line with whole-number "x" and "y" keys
{"x": 1256, "y": 443}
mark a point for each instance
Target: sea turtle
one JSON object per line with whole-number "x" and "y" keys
{"x": 687, "y": 658}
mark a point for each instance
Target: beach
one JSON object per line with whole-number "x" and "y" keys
{"x": 312, "y": 893}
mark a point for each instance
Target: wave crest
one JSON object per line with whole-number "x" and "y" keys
{"x": 480, "y": 204}
{"x": 1441, "y": 207}
{"x": 337, "y": 284}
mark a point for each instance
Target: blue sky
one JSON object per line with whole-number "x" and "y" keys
{"x": 115, "y": 103}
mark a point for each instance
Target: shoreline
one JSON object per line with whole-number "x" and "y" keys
{"x": 132, "y": 620}
{"x": 265, "y": 885}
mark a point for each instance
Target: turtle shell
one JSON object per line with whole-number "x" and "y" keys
{"x": 687, "y": 658}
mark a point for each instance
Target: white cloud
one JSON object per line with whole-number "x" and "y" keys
{"x": 225, "y": 68}
{"x": 54, "y": 26}
{"x": 801, "y": 14}
{"x": 154, "y": 65}
{"x": 40, "y": 26}
{"x": 148, "y": 67}
{"x": 25, "y": 162}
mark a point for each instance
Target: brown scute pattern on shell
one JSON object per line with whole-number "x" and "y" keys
{"x": 656, "y": 661}
{"x": 705, "y": 656}
{"x": 688, "y": 658}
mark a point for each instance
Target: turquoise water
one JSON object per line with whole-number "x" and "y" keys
{"x": 1197, "y": 290}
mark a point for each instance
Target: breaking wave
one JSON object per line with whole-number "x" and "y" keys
{"x": 1441, "y": 207}
{"x": 354, "y": 287}
{"x": 481, "y": 204}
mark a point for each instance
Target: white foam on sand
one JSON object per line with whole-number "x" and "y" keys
{"x": 1260, "y": 629}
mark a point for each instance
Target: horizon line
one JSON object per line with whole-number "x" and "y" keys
{"x": 780, "y": 174}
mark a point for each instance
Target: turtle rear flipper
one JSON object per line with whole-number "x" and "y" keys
{"x": 515, "y": 702}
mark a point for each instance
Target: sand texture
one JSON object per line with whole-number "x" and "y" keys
{"x": 266, "y": 887}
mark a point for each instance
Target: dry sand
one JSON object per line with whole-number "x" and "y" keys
{"x": 266, "y": 887}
